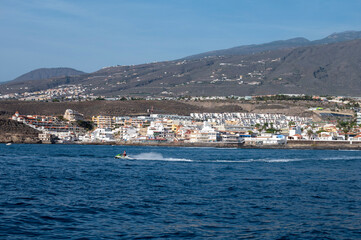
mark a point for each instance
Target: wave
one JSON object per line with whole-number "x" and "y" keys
{"x": 342, "y": 158}
{"x": 233, "y": 161}
{"x": 261, "y": 160}
{"x": 349, "y": 150}
{"x": 281, "y": 160}
{"x": 310, "y": 159}
{"x": 158, "y": 157}
{"x": 285, "y": 160}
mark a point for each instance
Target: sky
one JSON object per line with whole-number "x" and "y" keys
{"x": 90, "y": 34}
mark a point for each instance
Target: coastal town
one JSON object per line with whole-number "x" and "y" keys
{"x": 85, "y": 92}
{"x": 240, "y": 128}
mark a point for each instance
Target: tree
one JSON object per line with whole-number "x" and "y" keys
{"x": 271, "y": 130}
{"x": 85, "y": 124}
{"x": 309, "y": 133}
{"x": 320, "y": 131}
{"x": 346, "y": 126}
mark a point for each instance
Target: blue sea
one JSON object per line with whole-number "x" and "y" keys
{"x": 82, "y": 192}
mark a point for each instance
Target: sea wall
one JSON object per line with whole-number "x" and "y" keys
{"x": 171, "y": 144}
{"x": 296, "y": 144}
{"x": 306, "y": 144}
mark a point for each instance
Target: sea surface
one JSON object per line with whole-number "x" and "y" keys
{"x": 82, "y": 192}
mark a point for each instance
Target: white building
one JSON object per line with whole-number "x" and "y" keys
{"x": 206, "y": 134}
{"x": 358, "y": 120}
{"x": 294, "y": 130}
{"x": 102, "y": 135}
{"x": 72, "y": 115}
{"x": 155, "y": 129}
{"x": 267, "y": 139}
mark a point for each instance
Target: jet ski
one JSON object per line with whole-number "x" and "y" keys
{"x": 120, "y": 156}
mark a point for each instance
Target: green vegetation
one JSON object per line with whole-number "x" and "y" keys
{"x": 310, "y": 133}
{"x": 346, "y": 126}
{"x": 320, "y": 131}
{"x": 272, "y": 130}
{"x": 285, "y": 97}
{"x": 88, "y": 125}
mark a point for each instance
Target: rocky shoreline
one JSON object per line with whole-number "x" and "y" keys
{"x": 15, "y": 132}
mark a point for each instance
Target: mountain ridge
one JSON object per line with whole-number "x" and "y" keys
{"x": 45, "y": 73}
{"x": 280, "y": 44}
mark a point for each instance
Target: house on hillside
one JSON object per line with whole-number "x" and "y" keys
{"x": 72, "y": 115}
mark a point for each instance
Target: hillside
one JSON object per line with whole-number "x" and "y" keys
{"x": 254, "y": 48}
{"x": 112, "y": 108}
{"x": 281, "y": 44}
{"x": 139, "y": 107}
{"x": 45, "y": 73}
{"x": 327, "y": 69}
{"x": 12, "y": 131}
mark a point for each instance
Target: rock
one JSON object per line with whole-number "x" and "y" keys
{"x": 16, "y": 132}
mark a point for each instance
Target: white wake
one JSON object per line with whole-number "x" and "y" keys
{"x": 158, "y": 157}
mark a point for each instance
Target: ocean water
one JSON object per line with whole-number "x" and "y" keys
{"x": 82, "y": 192}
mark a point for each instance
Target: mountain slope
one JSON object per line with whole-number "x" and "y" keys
{"x": 339, "y": 37}
{"x": 45, "y": 73}
{"x": 254, "y": 48}
{"x": 327, "y": 69}
{"x": 282, "y": 44}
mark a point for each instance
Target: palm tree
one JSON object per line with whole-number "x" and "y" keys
{"x": 346, "y": 127}
{"x": 310, "y": 133}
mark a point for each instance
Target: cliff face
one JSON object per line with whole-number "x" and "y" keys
{"x": 15, "y": 132}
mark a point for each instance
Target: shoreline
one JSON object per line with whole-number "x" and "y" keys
{"x": 291, "y": 144}
{"x": 311, "y": 145}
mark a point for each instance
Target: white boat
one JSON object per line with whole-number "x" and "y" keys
{"x": 8, "y": 144}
